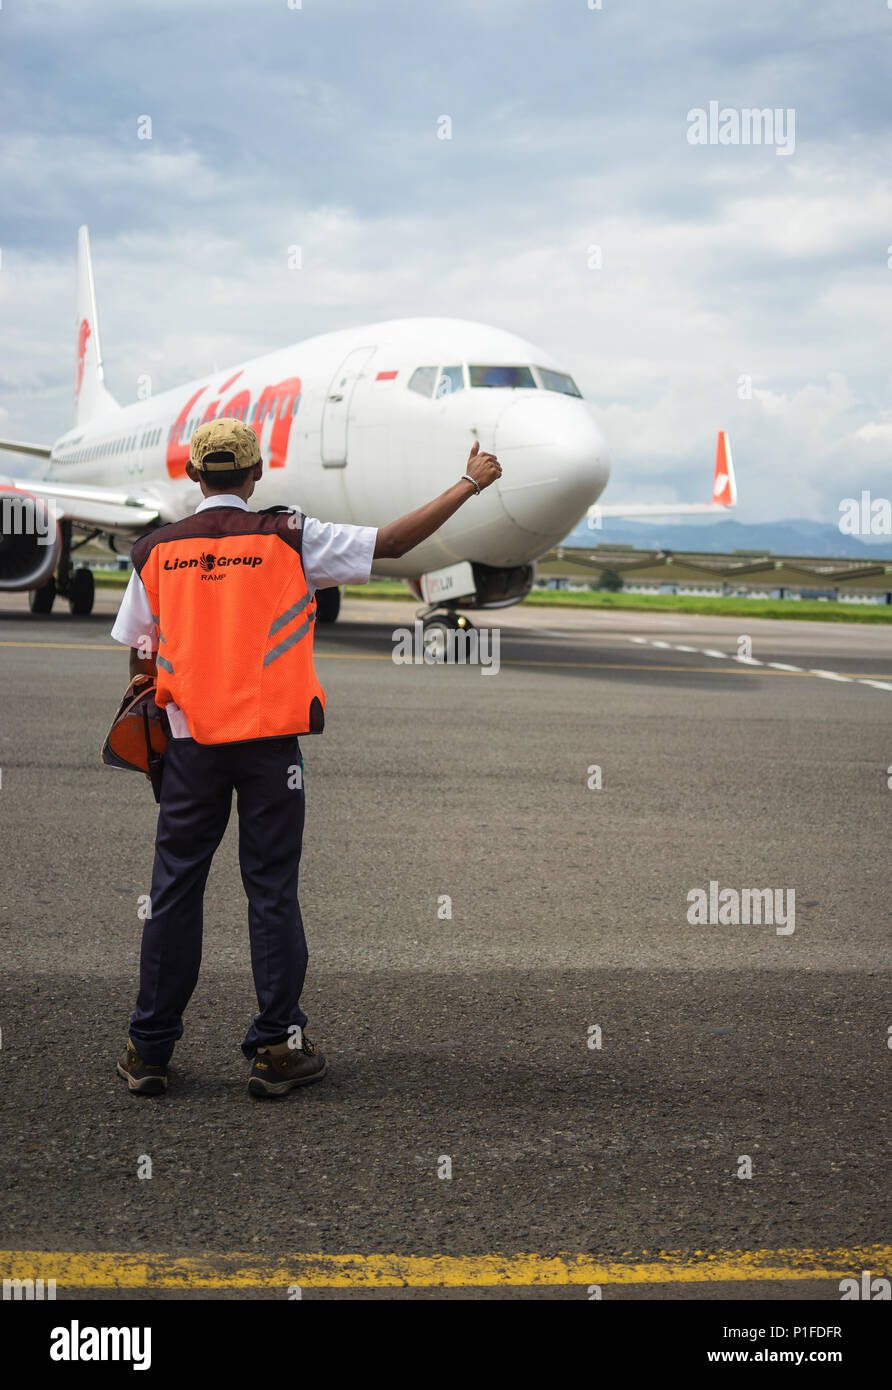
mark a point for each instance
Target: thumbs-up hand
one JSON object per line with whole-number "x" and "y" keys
{"x": 482, "y": 467}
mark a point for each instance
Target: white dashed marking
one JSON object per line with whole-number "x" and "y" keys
{"x": 752, "y": 661}
{"x": 830, "y": 675}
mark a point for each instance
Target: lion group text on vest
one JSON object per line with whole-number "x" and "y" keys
{"x": 209, "y": 562}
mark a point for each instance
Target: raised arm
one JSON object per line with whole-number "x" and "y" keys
{"x": 413, "y": 528}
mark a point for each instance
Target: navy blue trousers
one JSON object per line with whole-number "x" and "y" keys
{"x": 196, "y": 798}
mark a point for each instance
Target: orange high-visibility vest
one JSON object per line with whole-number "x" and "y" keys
{"x": 235, "y": 620}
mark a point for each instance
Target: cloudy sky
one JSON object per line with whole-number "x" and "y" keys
{"x": 318, "y": 126}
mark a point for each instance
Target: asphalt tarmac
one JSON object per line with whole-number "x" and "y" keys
{"x": 503, "y": 975}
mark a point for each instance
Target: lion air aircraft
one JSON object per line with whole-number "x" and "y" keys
{"x": 360, "y": 425}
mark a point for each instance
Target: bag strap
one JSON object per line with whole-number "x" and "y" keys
{"x": 154, "y": 762}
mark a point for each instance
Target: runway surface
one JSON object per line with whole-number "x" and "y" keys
{"x": 472, "y": 1037}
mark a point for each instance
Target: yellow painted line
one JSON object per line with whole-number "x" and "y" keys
{"x": 127, "y": 1270}
{"x": 585, "y": 665}
{"x": 72, "y": 646}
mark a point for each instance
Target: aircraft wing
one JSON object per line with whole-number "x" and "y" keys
{"x": 104, "y": 509}
{"x": 40, "y": 451}
{"x": 724, "y": 493}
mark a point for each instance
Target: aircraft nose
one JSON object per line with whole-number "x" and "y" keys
{"x": 554, "y": 464}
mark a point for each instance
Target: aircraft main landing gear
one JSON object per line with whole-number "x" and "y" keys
{"x": 81, "y": 591}
{"x": 41, "y": 600}
{"x": 328, "y": 605}
{"x": 74, "y": 583}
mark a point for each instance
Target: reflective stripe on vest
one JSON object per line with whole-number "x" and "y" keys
{"x": 283, "y": 620}
{"x": 162, "y": 661}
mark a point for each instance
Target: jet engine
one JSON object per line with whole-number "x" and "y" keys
{"x": 30, "y": 541}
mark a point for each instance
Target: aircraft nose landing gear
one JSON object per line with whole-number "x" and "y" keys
{"x": 440, "y": 624}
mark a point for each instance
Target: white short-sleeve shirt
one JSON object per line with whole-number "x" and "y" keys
{"x": 333, "y": 553}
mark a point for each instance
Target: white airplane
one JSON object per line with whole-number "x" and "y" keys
{"x": 360, "y": 425}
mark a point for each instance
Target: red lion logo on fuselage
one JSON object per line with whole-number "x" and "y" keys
{"x": 278, "y": 403}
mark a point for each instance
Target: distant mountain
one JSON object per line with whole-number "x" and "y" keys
{"x": 813, "y": 538}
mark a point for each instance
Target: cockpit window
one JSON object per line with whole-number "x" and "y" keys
{"x": 422, "y": 380}
{"x": 451, "y": 379}
{"x": 558, "y": 381}
{"x": 511, "y": 377}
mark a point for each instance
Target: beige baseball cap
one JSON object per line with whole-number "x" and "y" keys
{"x": 236, "y": 441}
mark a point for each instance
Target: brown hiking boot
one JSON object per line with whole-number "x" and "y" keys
{"x": 281, "y": 1066}
{"x": 142, "y": 1078}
